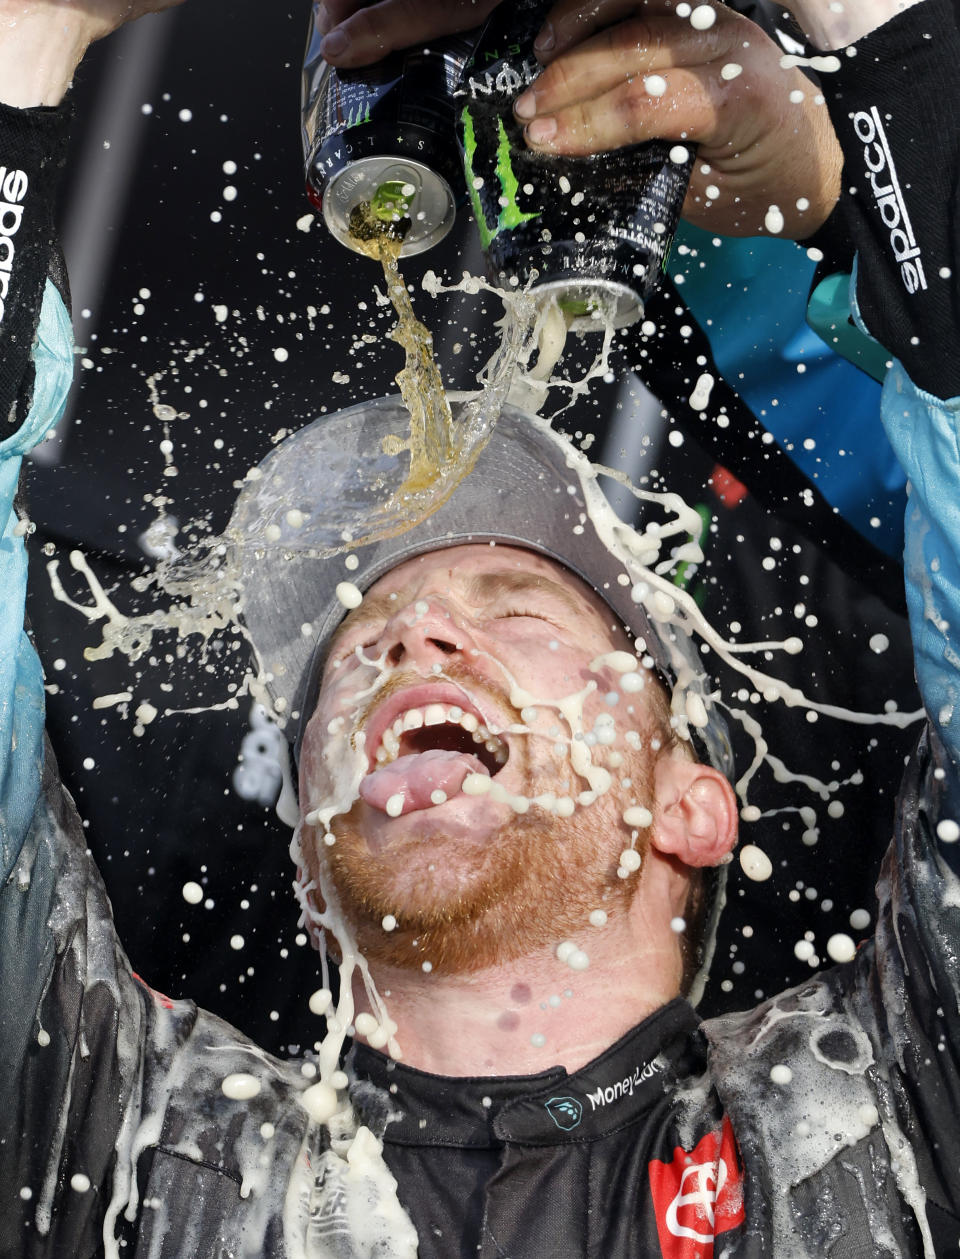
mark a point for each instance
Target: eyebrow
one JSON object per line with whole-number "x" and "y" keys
{"x": 489, "y": 586}
{"x": 484, "y": 588}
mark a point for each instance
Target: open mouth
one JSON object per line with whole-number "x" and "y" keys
{"x": 441, "y": 727}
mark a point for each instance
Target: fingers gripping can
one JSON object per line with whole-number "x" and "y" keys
{"x": 384, "y": 135}
{"x": 595, "y": 232}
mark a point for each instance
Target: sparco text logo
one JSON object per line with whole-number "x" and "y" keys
{"x": 625, "y": 1087}
{"x": 882, "y": 177}
{"x": 13, "y": 189}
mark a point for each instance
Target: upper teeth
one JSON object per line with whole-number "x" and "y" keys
{"x": 437, "y": 715}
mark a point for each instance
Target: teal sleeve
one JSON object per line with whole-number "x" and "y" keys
{"x": 925, "y": 434}
{"x": 21, "y": 679}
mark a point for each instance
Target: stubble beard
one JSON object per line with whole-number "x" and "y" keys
{"x": 464, "y": 907}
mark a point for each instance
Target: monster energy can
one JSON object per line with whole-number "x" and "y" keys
{"x": 595, "y": 232}
{"x": 384, "y": 135}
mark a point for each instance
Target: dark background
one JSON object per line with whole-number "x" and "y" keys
{"x": 145, "y": 187}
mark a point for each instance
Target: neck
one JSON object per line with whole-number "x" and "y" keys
{"x": 534, "y": 1012}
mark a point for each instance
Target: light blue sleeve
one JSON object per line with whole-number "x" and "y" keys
{"x": 21, "y": 679}
{"x": 753, "y": 302}
{"x": 925, "y": 434}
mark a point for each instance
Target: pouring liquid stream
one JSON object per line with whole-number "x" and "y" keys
{"x": 442, "y": 452}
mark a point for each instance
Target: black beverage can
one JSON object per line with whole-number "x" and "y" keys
{"x": 594, "y": 232}
{"x": 385, "y": 135}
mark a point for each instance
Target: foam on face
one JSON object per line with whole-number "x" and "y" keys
{"x": 212, "y": 601}
{"x": 648, "y": 565}
{"x": 346, "y": 764}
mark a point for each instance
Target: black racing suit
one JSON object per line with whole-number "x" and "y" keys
{"x": 821, "y": 1123}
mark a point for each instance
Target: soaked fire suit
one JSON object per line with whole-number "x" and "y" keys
{"x": 821, "y": 1123}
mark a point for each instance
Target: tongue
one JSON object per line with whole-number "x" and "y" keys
{"x": 417, "y": 776}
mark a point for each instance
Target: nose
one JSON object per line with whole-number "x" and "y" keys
{"x": 424, "y": 633}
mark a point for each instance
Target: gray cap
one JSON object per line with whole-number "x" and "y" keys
{"x": 529, "y": 487}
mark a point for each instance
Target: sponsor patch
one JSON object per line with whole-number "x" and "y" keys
{"x": 566, "y": 1112}
{"x": 13, "y": 189}
{"x": 882, "y": 178}
{"x": 607, "y": 1094}
{"x": 697, "y": 1195}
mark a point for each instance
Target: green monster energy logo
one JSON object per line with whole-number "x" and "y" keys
{"x": 510, "y": 215}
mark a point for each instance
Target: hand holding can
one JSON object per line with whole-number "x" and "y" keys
{"x": 590, "y": 232}
{"x": 357, "y": 33}
{"x": 615, "y": 77}
{"x": 711, "y": 77}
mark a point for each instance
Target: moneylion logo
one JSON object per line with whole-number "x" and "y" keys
{"x": 626, "y": 1087}
{"x": 882, "y": 177}
{"x": 566, "y": 1112}
{"x": 13, "y": 189}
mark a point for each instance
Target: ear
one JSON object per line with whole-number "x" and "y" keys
{"x": 696, "y": 812}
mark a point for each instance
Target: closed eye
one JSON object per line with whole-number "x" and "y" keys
{"x": 507, "y": 613}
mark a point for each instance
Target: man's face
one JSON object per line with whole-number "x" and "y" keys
{"x": 471, "y": 704}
